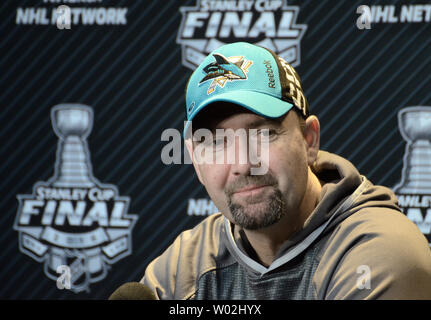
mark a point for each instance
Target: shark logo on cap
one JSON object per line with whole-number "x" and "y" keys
{"x": 224, "y": 69}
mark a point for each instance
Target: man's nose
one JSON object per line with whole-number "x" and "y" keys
{"x": 241, "y": 164}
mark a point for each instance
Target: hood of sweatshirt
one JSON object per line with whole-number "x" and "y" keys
{"x": 344, "y": 192}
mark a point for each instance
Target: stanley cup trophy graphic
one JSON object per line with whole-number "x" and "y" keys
{"x": 72, "y": 124}
{"x": 414, "y": 190}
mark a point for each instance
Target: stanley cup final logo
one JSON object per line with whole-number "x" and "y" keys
{"x": 72, "y": 219}
{"x": 414, "y": 190}
{"x": 268, "y": 23}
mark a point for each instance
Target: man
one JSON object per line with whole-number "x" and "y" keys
{"x": 309, "y": 226}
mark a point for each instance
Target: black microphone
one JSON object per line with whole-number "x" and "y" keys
{"x": 132, "y": 291}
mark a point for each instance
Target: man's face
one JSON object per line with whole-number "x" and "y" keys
{"x": 258, "y": 201}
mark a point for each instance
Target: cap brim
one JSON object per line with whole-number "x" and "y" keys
{"x": 260, "y": 103}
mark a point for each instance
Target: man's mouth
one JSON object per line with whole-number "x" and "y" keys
{"x": 250, "y": 190}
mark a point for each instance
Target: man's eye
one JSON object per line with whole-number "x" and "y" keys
{"x": 267, "y": 133}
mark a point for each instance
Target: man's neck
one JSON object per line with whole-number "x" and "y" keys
{"x": 268, "y": 241}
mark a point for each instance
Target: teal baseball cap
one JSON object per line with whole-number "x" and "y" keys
{"x": 246, "y": 75}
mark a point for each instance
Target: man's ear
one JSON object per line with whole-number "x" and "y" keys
{"x": 312, "y": 138}
{"x": 189, "y": 146}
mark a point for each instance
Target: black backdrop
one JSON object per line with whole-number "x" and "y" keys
{"x": 133, "y": 78}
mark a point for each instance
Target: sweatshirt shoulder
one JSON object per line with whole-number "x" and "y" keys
{"x": 387, "y": 245}
{"x": 173, "y": 274}
{"x": 385, "y": 225}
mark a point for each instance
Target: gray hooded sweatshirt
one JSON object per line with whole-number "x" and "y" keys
{"x": 356, "y": 244}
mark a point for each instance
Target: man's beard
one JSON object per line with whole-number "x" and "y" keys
{"x": 274, "y": 205}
